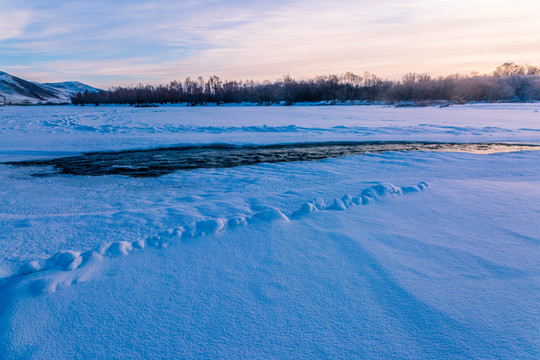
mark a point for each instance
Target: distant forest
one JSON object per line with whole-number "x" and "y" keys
{"x": 509, "y": 82}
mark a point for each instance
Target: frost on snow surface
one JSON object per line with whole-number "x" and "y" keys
{"x": 392, "y": 255}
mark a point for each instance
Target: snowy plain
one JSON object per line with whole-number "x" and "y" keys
{"x": 392, "y": 255}
{"x": 51, "y": 131}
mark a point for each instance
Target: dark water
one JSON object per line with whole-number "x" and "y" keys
{"x": 161, "y": 161}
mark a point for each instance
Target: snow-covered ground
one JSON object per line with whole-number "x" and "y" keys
{"x": 50, "y": 131}
{"x": 393, "y": 255}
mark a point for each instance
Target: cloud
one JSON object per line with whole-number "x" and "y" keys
{"x": 12, "y": 21}
{"x": 316, "y": 38}
{"x": 157, "y": 41}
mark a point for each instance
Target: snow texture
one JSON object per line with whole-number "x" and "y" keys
{"x": 67, "y": 260}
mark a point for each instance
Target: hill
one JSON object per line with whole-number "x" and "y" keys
{"x": 14, "y": 90}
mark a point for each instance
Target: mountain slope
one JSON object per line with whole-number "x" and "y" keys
{"x": 15, "y": 90}
{"x": 70, "y": 86}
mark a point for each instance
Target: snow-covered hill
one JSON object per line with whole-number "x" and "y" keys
{"x": 14, "y": 90}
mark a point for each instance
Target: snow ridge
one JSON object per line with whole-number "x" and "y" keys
{"x": 68, "y": 267}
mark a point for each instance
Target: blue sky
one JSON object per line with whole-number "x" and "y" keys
{"x": 105, "y": 43}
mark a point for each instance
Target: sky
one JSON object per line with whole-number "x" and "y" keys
{"x": 108, "y": 43}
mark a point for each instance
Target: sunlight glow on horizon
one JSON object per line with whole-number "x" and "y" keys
{"x": 106, "y": 43}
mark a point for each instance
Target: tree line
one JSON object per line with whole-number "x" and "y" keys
{"x": 509, "y": 82}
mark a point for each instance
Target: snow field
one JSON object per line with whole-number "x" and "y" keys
{"x": 448, "y": 273}
{"x": 46, "y": 276}
{"x": 48, "y": 131}
{"x": 253, "y": 270}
